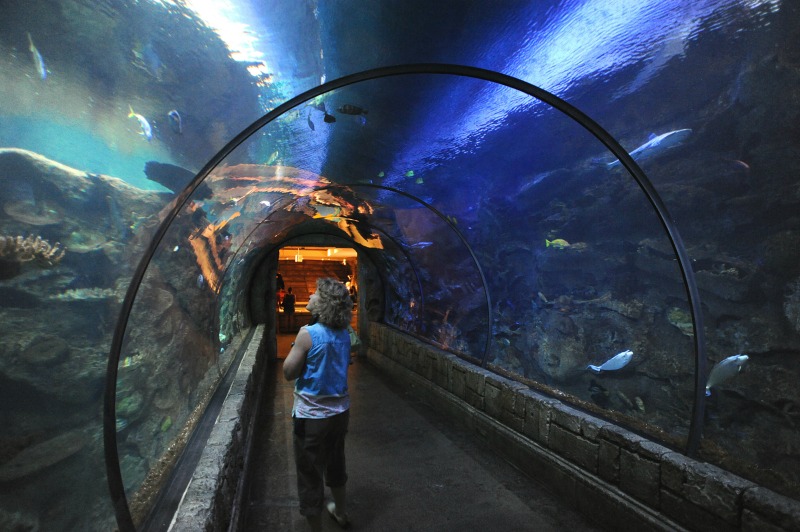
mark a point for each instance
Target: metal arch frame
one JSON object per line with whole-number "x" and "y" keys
{"x": 116, "y": 487}
{"x": 434, "y": 210}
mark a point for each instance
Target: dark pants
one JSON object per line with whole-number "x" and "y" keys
{"x": 319, "y": 454}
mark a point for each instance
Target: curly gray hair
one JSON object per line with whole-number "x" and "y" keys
{"x": 333, "y": 307}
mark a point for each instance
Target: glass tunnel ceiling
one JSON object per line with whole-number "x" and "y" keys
{"x": 496, "y": 176}
{"x": 473, "y": 258}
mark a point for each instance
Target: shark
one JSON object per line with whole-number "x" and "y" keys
{"x": 657, "y": 145}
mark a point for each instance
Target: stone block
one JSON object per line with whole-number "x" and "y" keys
{"x": 458, "y": 381}
{"x": 765, "y": 506}
{"x": 690, "y": 515}
{"x": 530, "y": 424}
{"x": 493, "y": 399}
{"x": 474, "y": 399}
{"x": 752, "y": 522}
{"x": 716, "y": 490}
{"x": 621, "y": 437}
{"x": 608, "y": 461}
{"x": 590, "y": 428}
{"x": 673, "y": 471}
{"x": 567, "y": 417}
{"x": 574, "y": 448}
{"x": 639, "y": 477}
{"x": 476, "y": 381}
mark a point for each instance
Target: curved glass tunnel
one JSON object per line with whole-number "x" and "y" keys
{"x": 488, "y": 223}
{"x": 496, "y": 283}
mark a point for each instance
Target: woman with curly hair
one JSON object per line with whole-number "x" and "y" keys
{"x": 319, "y": 359}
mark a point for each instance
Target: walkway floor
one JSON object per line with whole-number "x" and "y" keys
{"x": 410, "y": 469}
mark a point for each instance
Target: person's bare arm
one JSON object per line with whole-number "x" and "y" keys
{"x": 296, "y": 359}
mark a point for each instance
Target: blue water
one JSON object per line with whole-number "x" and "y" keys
{"x": 73, "y": 145}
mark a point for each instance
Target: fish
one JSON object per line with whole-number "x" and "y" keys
{"x": 201, "y": 281}
{"x": 410, "y": 173}
{"x": 381, "y": 174}
{"x": 558, "y": 243}
{"x": 174, "y": 178}
{"x": 175, "y": 121}
{"x": 310, "y": 123}
{"x": 272, "y": 158}
{"x": 147, "y": 131}
{"x": 420, "y": 245}
{"x": 329, "y": 119}
{"x": 618, "y": 361}
{"x": 419, "y": 181}
{"x": 724, "y": 370}
{"x": 657, "y": 145}
{"x": 37, "y": 59}
{"x": 354, "y": 110}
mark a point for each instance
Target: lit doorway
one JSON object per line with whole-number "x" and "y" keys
{"x": 299, "y": 267}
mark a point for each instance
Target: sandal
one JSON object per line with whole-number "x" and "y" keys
{"x": 341, "y": 520}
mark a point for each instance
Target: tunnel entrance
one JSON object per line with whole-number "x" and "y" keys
{"x": 299, "y": 267}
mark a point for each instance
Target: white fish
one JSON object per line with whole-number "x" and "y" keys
{"x": 147, "y": 131}
{"x": 618, "y": 361}
{"x": 657, "y": 145}
{"x": 37, "y": 59}
{"x": 724, "y": 370}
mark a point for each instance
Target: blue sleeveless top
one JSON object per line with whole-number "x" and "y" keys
{"x": 321, "y": 389}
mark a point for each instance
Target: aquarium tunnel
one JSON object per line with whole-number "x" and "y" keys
{"x": 595, "y": 206}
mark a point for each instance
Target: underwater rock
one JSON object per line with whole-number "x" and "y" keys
{"x": 46, "y": 350}
{"x": 561, "y": 353}
{"x": 130, "y": 406}
{"x": 43, "y": 455}
{"x": 791, "y": 304}
{"x": 18, "y": 522}
{"x": 682, "y": 320}
{"x": 87, "y": 294}
{"x": 630, "y": 309}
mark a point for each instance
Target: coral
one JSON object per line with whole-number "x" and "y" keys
{"x": 18, "y": 249}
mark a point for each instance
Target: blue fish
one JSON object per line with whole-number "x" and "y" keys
{"x": 201, "y": 281}
{"x": 657, "y": 145}
{"x": 37, "y": 59}
{"x": 147, "y": 131}
{"x": 724, "y": 370}
{"x": 618, "y": 361}
{"x": 175, "y": 121}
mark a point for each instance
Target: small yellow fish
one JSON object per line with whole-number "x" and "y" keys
{"x": 419, "y": 181}
{"x": 410, "y": 173}
{"x": 558, "y": 243}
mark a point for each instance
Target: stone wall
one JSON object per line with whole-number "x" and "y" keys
{"x": 212, "y": 500}
{"x": 617, "y": 478}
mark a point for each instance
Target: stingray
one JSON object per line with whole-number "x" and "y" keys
{"x": 174, "y": 178}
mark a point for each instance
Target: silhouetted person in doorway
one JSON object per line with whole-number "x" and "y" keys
{"x": 289, "y": 301}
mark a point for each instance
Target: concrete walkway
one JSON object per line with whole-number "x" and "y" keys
{"x": 409, "y": 469}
